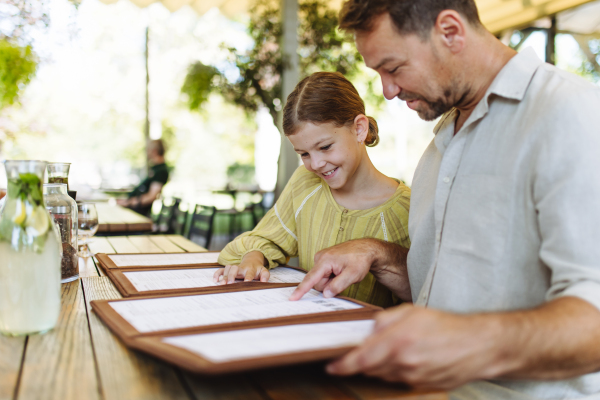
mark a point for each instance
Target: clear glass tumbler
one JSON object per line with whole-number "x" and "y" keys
{"x": 88, "y": 226}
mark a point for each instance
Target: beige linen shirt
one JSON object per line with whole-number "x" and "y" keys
{"x": 505, "y": 215}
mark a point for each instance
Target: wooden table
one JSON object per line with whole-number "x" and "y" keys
{"x": 114, "y": 218}
{"x": 82, "y": 359}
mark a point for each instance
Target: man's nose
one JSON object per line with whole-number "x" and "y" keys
{"x": 390, "y": 89}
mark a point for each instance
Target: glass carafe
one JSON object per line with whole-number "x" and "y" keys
{"x": 30, "y": 254}
{"x": 64, "y": 211}
{"x": 59, "y": 173}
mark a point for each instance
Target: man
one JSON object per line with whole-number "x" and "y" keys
{"x": 504, "y": 268}
{"x": 141, "y": 198}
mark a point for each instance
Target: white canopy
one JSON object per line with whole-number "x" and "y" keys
{"x": 496, "y": 15}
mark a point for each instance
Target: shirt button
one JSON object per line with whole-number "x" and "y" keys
{"x": 438, "y": 237}
{"x": 341, "y": 228}
{"x": 447, "y": 179}
{"x": 345, "y": 211}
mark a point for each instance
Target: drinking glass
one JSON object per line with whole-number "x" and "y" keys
{"x": 88, "y": 226}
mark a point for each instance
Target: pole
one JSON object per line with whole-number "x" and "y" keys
{"x": 550, "y": 41}
{"x": 147, "y": 122}
{"x": 288, "y": 159}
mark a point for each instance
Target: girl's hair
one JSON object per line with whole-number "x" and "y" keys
{"x": 326, "y": 97}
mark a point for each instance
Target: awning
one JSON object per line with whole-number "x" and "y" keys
{"x": 496, "y": 15}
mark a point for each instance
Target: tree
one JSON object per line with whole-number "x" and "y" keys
{"x": 18, "y": 62}
{"x": 322, "y": 48}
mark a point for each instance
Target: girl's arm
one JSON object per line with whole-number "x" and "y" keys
{"x": 274, "y": 238}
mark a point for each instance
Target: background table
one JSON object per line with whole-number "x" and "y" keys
{"x": 114, "y": 218}
{"x": 82, "y": 359}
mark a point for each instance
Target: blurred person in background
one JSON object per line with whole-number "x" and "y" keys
{"x": 141, "y": 198}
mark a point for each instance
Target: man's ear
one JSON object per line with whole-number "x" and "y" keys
{"x": 361, "y": 127}
{"x": 450, "y": 28}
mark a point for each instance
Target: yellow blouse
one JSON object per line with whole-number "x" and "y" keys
{"x": 306, "y": 219}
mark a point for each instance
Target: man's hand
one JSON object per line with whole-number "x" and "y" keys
{"x": 424, "y": 348}
{"x": 433, "y": 349}
{"x": 338, "y": 267}
{"x": 251, "y": 267}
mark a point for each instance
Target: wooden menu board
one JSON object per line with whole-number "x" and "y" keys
{"x": 157, "y": 261}
{"x": 122, "y": 277}
{"x": 153, "y": 334}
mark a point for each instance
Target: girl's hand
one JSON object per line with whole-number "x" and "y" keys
{"x": 251, "y": 267}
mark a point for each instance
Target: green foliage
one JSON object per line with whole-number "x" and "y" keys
{"x": 240, "y": 174}
{"x": 17, "y": 67}
{"x": 27, "y": 187}
{"x": 198, "y": 84}
{"x": 322, "y": 48}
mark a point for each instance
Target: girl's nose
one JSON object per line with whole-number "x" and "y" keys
{"x": 317, "y": 163}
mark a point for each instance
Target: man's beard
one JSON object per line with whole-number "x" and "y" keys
{"x": 433, "y": 109}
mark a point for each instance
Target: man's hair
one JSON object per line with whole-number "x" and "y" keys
{"x": 157, "y": 145}
{"x": 408, "y": 16}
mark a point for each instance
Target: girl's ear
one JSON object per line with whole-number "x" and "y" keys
{"x": 361, "y": 127}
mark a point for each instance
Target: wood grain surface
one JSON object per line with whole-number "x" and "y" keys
{"x": 165, "y": 244}
{"x": 11, "y": 355}
{"x": 60, "y": 363}
{"x": 126, "y": 374}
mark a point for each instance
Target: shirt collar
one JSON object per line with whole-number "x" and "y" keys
{"x": 511, "y": 82}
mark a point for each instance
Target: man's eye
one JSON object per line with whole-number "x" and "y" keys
{"x": 392, "y": 70}
{"x": 326, "y": 147}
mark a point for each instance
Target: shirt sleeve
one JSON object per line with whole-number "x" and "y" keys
{"x": 566, "y": 192}
{"x": 161, "y": 175}
{"x": 274, "y": 236}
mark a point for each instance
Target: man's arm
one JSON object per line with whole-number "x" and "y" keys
{"x": 427, "y": 348}
{"x": 338, "y": 267}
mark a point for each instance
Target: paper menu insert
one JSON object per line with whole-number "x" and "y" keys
{"x": 274, "y": 340}
{"x": 158, "y": 260}
{"x": 167, "y": 313}
{"x": 197, "y": 278}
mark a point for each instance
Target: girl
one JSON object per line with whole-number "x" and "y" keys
{"x": 336, "y": 196}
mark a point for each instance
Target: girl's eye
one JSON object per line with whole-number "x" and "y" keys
{"x": 304, "y": 155}
{"x": 326, "y": 147}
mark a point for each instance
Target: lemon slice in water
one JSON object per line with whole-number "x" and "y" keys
{"x": 20, "y": 213}
{"x": 37, "y": 224}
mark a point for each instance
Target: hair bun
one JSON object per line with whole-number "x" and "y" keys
{"x": 373, "y": 135}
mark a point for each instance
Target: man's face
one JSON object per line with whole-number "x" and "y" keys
{"x": 410, "y": 68}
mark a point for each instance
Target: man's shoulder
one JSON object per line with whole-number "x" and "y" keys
{"x": 160, "y": 173}
{"x": 554, "y": 86}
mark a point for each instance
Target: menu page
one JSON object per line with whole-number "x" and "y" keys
{"x": 197, "y": 278}
{"x": 150, "y": 315}
{"x": 158, "y": 260}
{"x": 274, "y": 341}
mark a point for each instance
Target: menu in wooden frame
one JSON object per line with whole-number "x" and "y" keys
{"x": 180, "y": 273}
{"x": 158, "y": 261}
{"x": 183, "y": 280}
{"x": 186, "y": 330}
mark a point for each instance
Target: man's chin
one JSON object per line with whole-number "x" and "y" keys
{"x": 428, "y": 115}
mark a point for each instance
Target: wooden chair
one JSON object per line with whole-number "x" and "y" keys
{"x": 167, "y": 213}
{"x": 201, "y": 227}
{"x": 179, "y": 221}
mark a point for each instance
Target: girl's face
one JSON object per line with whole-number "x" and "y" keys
{"x": 334, "y": 153}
